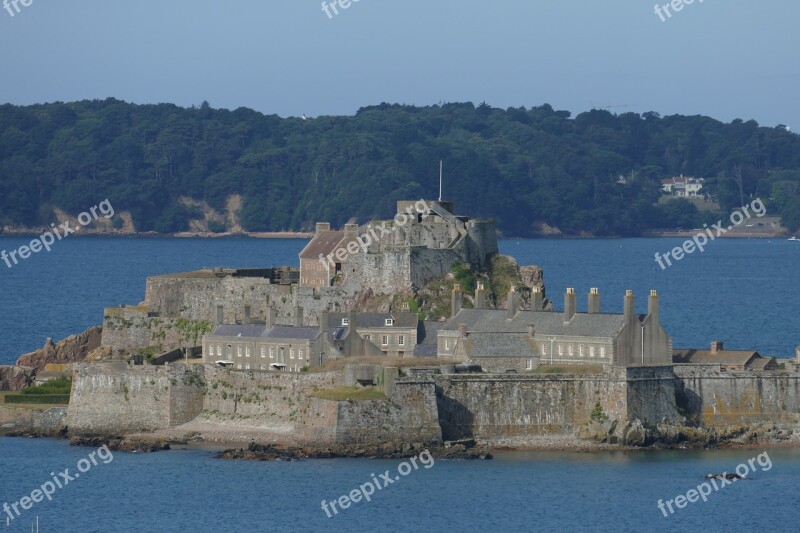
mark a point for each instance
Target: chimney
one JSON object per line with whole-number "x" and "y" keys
{"x": 246, "y": 320}
{"x": 323, "y": 324}
{"x": 594, "y": 301}
{"x": 652, "y": 306}
{"x": 457, "y": 300}
{"x": 480, "y": 296}
{"x": 272, "y": 317}
{"x": 629, "y": 307}
{"x": 531, "y": 330}
{"x": 323, "y": 226}
{"x": 513, "y": 303}
{"x": 538, "y": 299}
{"x": 220, "y": 315}
{"x": 351, "y": 230}
{"x": 298, "y": 317}
{"x": 462, "y": 330}
{"x": 717, "y": 346}
{"x": 352, "y": 319}
{"x": 570, "y": 304}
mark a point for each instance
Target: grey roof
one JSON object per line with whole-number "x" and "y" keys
{"x": 426, "y": 350}
{"x": 544, "y": 322}
{"x": 376, "y": 320}
{"x": 486, "y": 345}
{"x": 337, "y": 334}
{"x": 727, "y": 357}
{"x": 291, "y": 332}
{"x": 427, "y": 330}
{"x": 237, "y": 330}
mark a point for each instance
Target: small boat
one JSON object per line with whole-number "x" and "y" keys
{"x": 794, "y": 239}
{"x": 723, "y": 476}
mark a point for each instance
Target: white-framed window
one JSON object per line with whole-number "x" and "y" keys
{"x": 272, "y": 352}
{"x": 300, "y": 354}
{"x": 247, "y": 366}
{"x": 591, "y": 351}
{"x": 239, "y": 350}
{"x": 291, "y": 353}
{"x": 560, "y": 349}
{"x": 447, "y": 344}
{"x": 580, "y": 350}
{"x": 544, "y": 349}
{"x": 247, "y": 351}
{"x": 571, "y": 350}
{"x": 529, "y": 364}
{"x": 262, "y": 367}
{"x": 282, "y": 354}
{"x": 602, "y": 351}
{"x": 385, "y": 340}
{"x": 389, "y": 322}
{"x": 401, "y": 340}
{"x": 239, "y": 366}
{"x": 263, "y": 352}
{"x": 211, "y": 349}
{"x": 345, "y": 321}
{"x": 219, "y": 349}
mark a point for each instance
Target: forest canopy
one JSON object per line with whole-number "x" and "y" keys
{"x": 597, "y": 172}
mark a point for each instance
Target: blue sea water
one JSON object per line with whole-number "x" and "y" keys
{"x": 741, "y": 291}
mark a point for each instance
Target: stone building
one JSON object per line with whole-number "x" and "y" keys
{"x": 522, "y": 340}
{"x": 728, "y": 360}
{"x": 394, "y": 333}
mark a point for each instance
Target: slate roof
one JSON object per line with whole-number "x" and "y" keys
{"x": 725, "y": 357}
{"x": 376, "y": 320}
{"x": 544, "y": 322}
{"x": 291, "y": 332}
{"x": 494, "y": 345}
{"x": 237, "y": 330}
{"x": 426, "y": 338}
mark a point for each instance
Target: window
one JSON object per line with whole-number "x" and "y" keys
{"x": 447, "y": 344}
{"x": 591, "y": 351}
{"x": 239, "y": 350}
{"x": 390, "y": 322}
{"x": 529, "y": 364}
{"x": 211, "y": 349}
{"x": 247, "y": 351}
{"x": 571, "y": 350}
{"x": 219, "y": 349}
{"x": 602, "y": 351}
{"x": 230, "y": 351}
{"x": 282, "y": 354}
{"x": 291, "y": 353}
{"x": 544, "y": 349}
{"x": 385, "y": 340}
{"x": 239, "y": 366}
{"x": 345, "y": 321}
{"x": 272, "y": 352}
{"x": 560, "y": 349}
{"x": 247, "y": 366}
{"x": 401, "y": 340}
{"x": 580, "y": 350}
{"x": 300, "y": 354}
{"x": 262, "y": 367}
{"x": 263, "y": 352}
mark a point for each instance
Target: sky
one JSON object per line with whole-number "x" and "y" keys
{"x": 726, "y": 59}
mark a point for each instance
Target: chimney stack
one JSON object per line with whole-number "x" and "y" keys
{"x": 323, "y": 226}
{"x": 531, "y": 330}
{"x": 717, "y": 346}
{"x": 298, "y": 317}
{"x": 457, "y": 300}
{"x": 351, "y": 230}
{"x": 652, "y": 306}
{"x": 323, "y": 325}
{"x": 594, "y": 301}
{"x": 513, "y": 303}
{"x": 220, "y": 315}
{"x": 272, "y": 317}
{"x": 480, "y": 296}
{"x": 538, "y": 299}
{"x": 629, "y": 307}
{"x": 462, "y": 330}
{"x": 570, "y": 304}
{"x": 246, "y": 320}
{"x": 352, "y": 319}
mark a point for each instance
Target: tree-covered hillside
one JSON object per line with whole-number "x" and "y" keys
{"x": 522, "y": 167}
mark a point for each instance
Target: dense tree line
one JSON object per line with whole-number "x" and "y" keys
{"x": 523, "y": 167}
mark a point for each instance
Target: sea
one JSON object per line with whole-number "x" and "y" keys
{"x": 740, "y": 291}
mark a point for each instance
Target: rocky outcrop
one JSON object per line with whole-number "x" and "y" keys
{"x": 14, "y": 378}
{"x": 71, "y": 350}
{"x": 259, "y": 452}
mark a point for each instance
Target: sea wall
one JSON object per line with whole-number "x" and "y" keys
{"x": 720, "y": 398}
{"x": 109, "y": 398}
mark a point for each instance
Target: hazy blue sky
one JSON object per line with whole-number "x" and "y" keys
{"x": 724, "y": 58}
